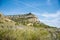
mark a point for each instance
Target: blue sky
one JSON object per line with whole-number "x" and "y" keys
{"x": 48, "y": 11}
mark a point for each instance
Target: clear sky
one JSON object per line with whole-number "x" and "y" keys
{"x": 48, "y": 11}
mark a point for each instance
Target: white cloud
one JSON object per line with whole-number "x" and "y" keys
{"x": 52, "y": 19}
{"x": 51, "y": 14}
{"x": 33, "y": 6}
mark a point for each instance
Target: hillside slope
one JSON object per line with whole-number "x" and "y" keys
{"x": 5, "y": 21}
{"x": 35, "y": 31}
{"x": 27, "y": 19}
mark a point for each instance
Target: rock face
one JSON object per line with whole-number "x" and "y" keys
{"x": 26, "y": 17}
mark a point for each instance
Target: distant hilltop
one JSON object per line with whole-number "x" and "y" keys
{"x": 26, "y": 17}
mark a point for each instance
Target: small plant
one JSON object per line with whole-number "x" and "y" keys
{"x": 1, "y": 22}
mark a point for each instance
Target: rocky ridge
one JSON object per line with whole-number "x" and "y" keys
{"x": 39, "y": 30}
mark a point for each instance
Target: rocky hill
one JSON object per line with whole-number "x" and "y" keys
{"x": 27, "y": 19}
{"x": 26, "y": 27}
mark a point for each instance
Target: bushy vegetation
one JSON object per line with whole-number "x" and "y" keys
{"x": 23, "y": 34}
{"x": 58, "y": 36}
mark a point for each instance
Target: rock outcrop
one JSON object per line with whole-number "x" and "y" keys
{"x": 26, "y": 17}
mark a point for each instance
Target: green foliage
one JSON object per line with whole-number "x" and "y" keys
{"x": 40, "y": 25}
{"x": 58, "y": 36}
{"x": 22, "y": 34}
{"x": 1, "y": 22}
{"x": 17, "y": 23}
